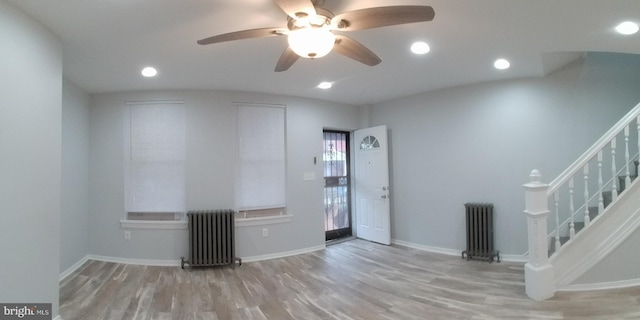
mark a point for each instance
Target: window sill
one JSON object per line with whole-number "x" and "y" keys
{"x": 259, "y": 221}
{"x": 142, "y": 224}
{"x": 182, "y": 224}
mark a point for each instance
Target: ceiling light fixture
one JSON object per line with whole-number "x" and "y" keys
{"x": 627, "y": 28}
{"x": 149, "y": 72}
{"x": 325, "y": 85}
{"x": 420, "y": 47}
{"x": 501, "y": 64}
{"x": 311, "y": 42}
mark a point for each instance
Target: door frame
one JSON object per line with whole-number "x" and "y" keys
{"x": 341, "y": 233}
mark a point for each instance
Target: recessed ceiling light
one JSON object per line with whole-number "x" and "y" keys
{"x": 501, "y": 64}
{"x": 149, "y": 72}
{"x": 325, "y": 85}
{"x": 627, "y": 28}
{"x": 420, "y": 47}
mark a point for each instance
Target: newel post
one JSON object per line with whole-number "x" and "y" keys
{"x": 538, "y": 273}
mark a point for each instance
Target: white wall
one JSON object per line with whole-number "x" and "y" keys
{"x": 211, "y": 138}
{"x": 478, "y": 143}
{"x": 30, "y": 161}
{"x": 74, "y": 217}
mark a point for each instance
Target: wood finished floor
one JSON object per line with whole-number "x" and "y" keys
{"x": 349, "y": 280}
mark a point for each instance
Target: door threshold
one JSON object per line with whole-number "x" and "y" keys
{"x": 340, "y": 240}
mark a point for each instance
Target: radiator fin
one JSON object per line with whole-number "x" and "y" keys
{"x": 479, "y": 221}
{"x": 211, "y": 238}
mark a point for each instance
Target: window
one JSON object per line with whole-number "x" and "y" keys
{"x": 154, "y": 160}
{"x": 260, "y": 186}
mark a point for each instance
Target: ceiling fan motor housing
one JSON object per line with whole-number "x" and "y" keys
{"x": 322, "y": 18}
{"x": 311, "y": 35}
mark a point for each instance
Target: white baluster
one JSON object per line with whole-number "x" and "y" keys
{"x": 572, "y": 229}
{"x": 614, "y": 171}
{"x": 638, "y": 137}
{"x": 556, "y": 198}
{"x": 587, "y": 219}
{"x": 627, "y": 179}
{"x": 600, "y": 198}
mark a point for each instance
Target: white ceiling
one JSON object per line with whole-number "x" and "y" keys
{"x": 107, "y": 42}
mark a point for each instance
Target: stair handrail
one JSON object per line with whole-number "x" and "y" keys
{"x": 593, "y": 150}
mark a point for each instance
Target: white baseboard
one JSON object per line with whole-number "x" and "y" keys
{"x": 73, "y": 268}
{"x": 283, "y": 254}
{"x": 142, "y": 262}
{"x": 449, "y": 252}
{"x": 454, "y": 252}
{"x": 177, "y": 263}
{"x": 514, "y": 258}
{"x": 602, "y": 286}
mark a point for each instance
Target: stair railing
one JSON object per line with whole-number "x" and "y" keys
{"x": 587, "y": 185}
{"x": 569, "y": 224}
{"x": 539, "y": 197}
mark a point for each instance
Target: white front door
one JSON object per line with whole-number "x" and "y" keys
{"x": 372, "y": 185}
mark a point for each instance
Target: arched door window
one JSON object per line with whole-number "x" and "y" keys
{"x": 369, "y": 142}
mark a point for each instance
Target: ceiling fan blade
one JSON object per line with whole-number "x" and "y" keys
{"x": 297, "y": 8}
{"x": 245, "y": 34}
{"x": 355, "y": 50}
{"x": 381, "y": 17}
{"x": 287, "y": 59}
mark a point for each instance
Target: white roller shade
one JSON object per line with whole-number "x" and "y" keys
{"x": 261, "y": 157}
{"x": 155, "y": 156}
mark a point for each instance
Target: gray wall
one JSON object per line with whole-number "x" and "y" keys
{"x": 610, "y": 269}
{"x": 448, "y": 147}
{"x": 478, "y": 143}
{"x": 30, "y": 170}
{"x": 211, "y": 138}
{"x": 74, "y": 217}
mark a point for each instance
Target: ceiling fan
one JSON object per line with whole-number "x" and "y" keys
{"x": 310, "y": 30}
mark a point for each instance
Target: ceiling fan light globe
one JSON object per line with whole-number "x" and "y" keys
{"x": 627, "y": 28}
{"x": 420, "y": 48}
{"x": 311, "y": 42}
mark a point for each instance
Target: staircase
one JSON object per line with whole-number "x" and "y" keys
{"x": 590, "y": 209}
{"x": 593, "y": 210}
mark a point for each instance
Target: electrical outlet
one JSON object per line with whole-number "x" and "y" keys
{"x": 127, "y": 235}
{"x": 265, "y": 232}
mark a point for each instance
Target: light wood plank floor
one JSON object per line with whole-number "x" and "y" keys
{"x": 350, "y": 280}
